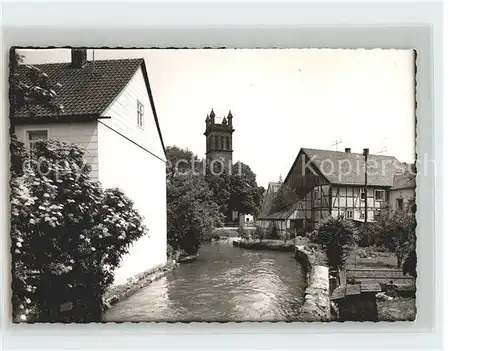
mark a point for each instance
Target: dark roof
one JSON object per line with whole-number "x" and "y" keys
{"x": 85, "y": 92}
{"x": 268, "y": 197}
{"x": 404, "y": 181}
{"x": 282, "y": 215}
{"x": 339, "y": 167}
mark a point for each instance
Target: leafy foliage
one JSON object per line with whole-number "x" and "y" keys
{"x": 182, "y": 162}
{"x": 31, "y": 87}
{"x": 338, "y": 237}
{"x": 191, "y": 206}
{"x": 395, "y": 231}
{"x": 245, "y": 195}
{"x": 283, "y": 199}
{"x": 68, "y": 235}
{"x": 410, "y": 263}
{"x": 191, "y": 211}
{"x": 237, "y": 191}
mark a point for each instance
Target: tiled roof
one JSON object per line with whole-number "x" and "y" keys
{"x": 404, "y": 181}
{"x": 268, "y": 197}
{"x": 84, "y": 91}
{"x": 282, "y": 215}
{"x": 339, "y": 167}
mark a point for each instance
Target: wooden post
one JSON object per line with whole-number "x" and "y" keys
{"x": 365, "y": 153}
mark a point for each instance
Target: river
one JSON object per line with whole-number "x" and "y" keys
{"x": 225, "y": 284}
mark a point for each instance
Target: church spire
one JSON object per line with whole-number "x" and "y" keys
{"x": 230, "y": 118}
{"x": 212, "y": 116}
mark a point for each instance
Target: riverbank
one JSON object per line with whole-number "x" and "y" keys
{"x": 272, "y": 245}
{"x": 119, "y": 292}
{"x": 316, "y": 305}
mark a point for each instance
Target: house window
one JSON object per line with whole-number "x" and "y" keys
{"x": 140, "y": 114}
{"x": 363, "y": 194}
{"x": 349, "y": 214}
{"x": 33, "y": 136}
{"x": 379, "y": 195}
{"x": 316, "y": 194}
{"x": 399, "y": 204}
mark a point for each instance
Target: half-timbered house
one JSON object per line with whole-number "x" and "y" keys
{"x": 333, "y": 183}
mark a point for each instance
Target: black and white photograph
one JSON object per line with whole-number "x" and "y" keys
{"x": 213, "y": 185}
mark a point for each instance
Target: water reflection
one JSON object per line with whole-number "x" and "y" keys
{"x": 224, "y": 284}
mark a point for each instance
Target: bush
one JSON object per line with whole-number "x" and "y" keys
{"x": 259, "y": 233}
{"x": 337, "y": 237}
{"x": 274, "y": 233}
{"x": 68, "y": 236}
{"x": 289, "y": 234}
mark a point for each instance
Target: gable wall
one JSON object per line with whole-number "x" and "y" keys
{"x": 83, "y": 134}
{"x": 123, "y": 113}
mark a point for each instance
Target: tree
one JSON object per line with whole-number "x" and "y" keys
{"x": 337, "y": 236}
{"x": 30, "y": 87}
{"x": 182, "y": 161}
{"x": 394, "y": 230}
{"x": 283, "y": 199}
{"x": 191, "y": 211}
{"x": 220, "y": 185}
{"x": 191, "y": 206}
{"x": 68, "y": 235}
{"x": 245, "y": 195}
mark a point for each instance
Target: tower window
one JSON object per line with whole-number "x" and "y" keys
{"x": 227, "y": 144}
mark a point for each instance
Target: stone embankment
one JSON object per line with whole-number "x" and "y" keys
{"x": 137, "y": 282}
{"x": 316, "y": 306}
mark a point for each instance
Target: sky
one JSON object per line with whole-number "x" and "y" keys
{"x": 281, "y": 99}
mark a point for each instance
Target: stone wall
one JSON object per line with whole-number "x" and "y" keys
{"x": 119, "y": 292}
{"x": 316, "y": 305}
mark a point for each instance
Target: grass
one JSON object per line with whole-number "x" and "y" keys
{"x": 399, "y": 309}
{"x": 367, "y": 258}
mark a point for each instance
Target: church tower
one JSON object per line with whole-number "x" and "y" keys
{"x": 219, "y": 141}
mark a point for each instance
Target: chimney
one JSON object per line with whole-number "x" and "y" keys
{"x": 347, "y": 150}
{"x": 78, "y": 58}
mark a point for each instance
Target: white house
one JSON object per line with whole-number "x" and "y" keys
{"x": 402, "y": 192}
{"x": 109, "y": 111}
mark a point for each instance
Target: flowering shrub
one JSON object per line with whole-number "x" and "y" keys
{"x": 338, "y": 237}
{"x": 68, "y": 236}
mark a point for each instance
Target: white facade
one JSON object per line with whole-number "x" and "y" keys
{"x": 399, "y": 198}
{"x": 128, "y": 156}
{"x": 82, "y": 134}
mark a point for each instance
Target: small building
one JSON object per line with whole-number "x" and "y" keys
{"x": 109, "y": 111}
{"x": 402, "y": 194}
{"x": 283, "y": 221}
